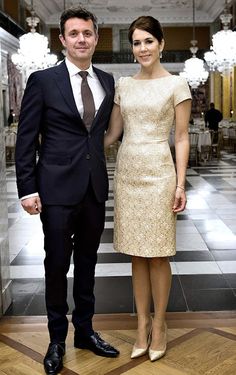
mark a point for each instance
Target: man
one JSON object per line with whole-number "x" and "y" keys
{"x": 70, "y": 178}
{"x": 213, "y": 117}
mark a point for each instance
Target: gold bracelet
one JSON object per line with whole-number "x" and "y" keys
{"x": 181, "y": 187}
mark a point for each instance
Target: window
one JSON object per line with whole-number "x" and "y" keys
{"x": 124, "y": 41}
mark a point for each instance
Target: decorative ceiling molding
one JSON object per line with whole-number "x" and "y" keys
{"x": 109, "y": 12}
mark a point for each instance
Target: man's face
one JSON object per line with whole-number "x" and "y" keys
{"x": 80, "y": 40}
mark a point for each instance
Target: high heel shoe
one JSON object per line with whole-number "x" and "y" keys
{"x": 154, "y": 355}
{"x": 138, "y": 352}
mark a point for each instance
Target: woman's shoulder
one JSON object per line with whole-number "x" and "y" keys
{"x": 180, "y": 80}
{"x": 123, "y": 80}
{"x": 178, "y": 83}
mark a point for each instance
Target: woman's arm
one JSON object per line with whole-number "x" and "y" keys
{"x": 115, "y": 128}
{"x": 182, "y": 115}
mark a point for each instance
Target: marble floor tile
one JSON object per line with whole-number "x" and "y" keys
{"x": 196, "y": 202}
{"x": 109, "y": 225}
{"x": 208, "y": 300}
{"x": 197, "y": 268}
{"x": 190, "y": 241}
{"x": 214, "y": 225}
{"x": 185, "y": 229}
{"x": 224, "y": 255}
{"x": 200, "y": 183}
{"x": 203, "y": 282}
{"x": 106, "y": 248}
{"x": 193, "y": 256}
{"x": 227, "y": 266}
{"x": 231, "y": 181}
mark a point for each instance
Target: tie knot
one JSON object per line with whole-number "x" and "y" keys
{"x": 83, "y": 74}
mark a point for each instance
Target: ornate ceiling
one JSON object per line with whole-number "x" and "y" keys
{"x": 124, "y": 11}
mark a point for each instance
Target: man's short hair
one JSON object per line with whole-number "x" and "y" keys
{"x": 77, "y": 12}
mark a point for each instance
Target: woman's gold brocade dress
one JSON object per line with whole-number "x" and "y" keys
{"x": 145, "y": 177}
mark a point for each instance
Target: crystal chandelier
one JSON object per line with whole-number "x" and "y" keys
{"x": 194, "y": 70}
{"x": 33, "y": 53}
{"x": 222, "y": 56}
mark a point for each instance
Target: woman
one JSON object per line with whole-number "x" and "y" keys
{"x": 148, "y": 193}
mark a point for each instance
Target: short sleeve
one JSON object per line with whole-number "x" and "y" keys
{"x": 181, "y": 91}
{"x": 117, "y": 92}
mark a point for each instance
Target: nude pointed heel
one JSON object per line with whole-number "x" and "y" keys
{"x": 154, "y": 355}
{"x": 139, "y": 352}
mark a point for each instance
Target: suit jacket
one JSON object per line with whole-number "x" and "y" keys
{"x": 213, "y": 117}
{"x": 69, "y": 154}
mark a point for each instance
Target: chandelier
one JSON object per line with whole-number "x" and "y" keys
{"x": 194, "y": 70}
{"x": 33, "y": 53}
{"x": 222, "y": 56}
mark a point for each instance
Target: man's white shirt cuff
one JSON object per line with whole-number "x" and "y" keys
{"x": 29, "y": 196}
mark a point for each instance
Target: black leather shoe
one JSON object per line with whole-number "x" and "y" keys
{"x": 96, "y": 344}
{"x": 53, "y": 359}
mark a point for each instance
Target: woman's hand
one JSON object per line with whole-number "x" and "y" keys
{"x": 115, "y": 127}
{"x": 180, "y": 200}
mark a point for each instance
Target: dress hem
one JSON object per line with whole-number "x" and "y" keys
{"x": 146, "y": 256}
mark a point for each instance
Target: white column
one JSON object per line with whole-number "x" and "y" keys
{"x": 211, "y": 86}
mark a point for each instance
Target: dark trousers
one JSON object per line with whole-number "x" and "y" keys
{"x": 71, "y": 229}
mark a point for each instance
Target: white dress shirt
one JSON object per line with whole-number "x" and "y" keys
{"x": 75, "y": 80}
{"x": 93, "y": 82}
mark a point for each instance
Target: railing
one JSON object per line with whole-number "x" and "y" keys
{"x": 110, "y": 57}
{"x": 126, "y": 57}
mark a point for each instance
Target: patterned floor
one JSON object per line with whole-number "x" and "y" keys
{"x": 198, "y": 344}
{"x": 204, "y": 269}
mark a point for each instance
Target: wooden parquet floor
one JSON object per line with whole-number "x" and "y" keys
{"x": 198, "y": 344}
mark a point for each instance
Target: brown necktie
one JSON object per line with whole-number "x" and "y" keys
{"x": 87, "y": 99}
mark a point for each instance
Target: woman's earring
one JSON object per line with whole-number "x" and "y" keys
{"x": 135, "y": 60}
{"x": 160, "y": 55}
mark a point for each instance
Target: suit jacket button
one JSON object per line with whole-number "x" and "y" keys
{"x": 88, "y": 156}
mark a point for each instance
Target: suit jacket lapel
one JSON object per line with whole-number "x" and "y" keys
{"x": 63, "y": 82}
{"x": 107, "y": 90}
{"x": 62, "y": 79}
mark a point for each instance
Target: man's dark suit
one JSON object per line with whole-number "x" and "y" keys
{"x": 212, "y": 118}
{"x": 70, "y": 177}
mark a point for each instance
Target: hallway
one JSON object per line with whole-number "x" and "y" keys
{"x": 204, "y": 268}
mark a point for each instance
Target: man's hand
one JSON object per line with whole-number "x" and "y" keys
{"x": 32, "y": 205}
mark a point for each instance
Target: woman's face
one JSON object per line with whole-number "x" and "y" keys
{"x": 146, "y": 48}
